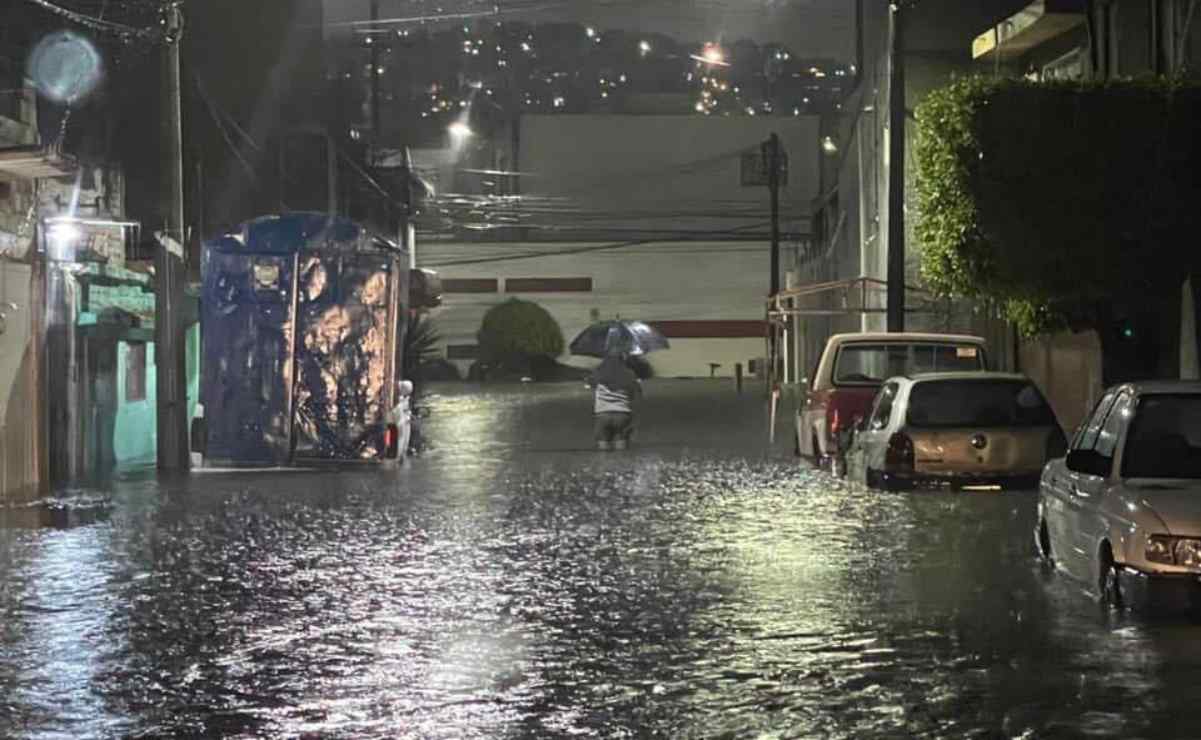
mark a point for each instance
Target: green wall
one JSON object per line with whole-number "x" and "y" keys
{"x": 135, "y": 432}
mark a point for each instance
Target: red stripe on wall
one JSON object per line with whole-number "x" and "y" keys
{"x": 716, "y": 329}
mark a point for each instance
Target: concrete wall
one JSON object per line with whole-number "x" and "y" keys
{"x": 1067, "y": 367}
{"x": 700, "y": 281}
{"x": 18, "y": 390}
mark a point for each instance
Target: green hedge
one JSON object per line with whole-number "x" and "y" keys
{"x": 515, "y": 332}
{"x": 1062, "y": 201}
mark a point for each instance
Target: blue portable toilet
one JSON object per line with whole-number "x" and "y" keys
{"x": 302, "y": 319}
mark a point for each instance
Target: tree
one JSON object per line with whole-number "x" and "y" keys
{"x": 516, "y": 334}
{"x": 1074, "y": 205}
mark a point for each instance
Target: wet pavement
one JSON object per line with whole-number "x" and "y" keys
{"x": 511, "y": 582}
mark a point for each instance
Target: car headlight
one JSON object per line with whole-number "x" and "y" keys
{"x": 1169, "y": 550}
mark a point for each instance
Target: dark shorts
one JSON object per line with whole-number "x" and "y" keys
{"x": 610, "y": 426}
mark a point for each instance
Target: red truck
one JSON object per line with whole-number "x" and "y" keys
{"x": 850, "y": 371}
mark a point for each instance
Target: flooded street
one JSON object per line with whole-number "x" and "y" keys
{"x": 512, "y": 582}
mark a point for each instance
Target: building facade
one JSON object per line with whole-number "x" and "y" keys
{"x": 941, "y": 39}
{"x": 658, "y": 218}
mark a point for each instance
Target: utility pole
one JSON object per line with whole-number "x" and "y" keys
{"x": 896, "y": 172}
{"x": 375, "y": 116}
{"x": 772, "y": 158}
{"x": 169, "y": 269}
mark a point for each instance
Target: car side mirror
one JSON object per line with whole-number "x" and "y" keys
{"x": 1088, "y": 462}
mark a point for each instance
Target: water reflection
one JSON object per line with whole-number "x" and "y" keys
{"x": 512, "y": 582}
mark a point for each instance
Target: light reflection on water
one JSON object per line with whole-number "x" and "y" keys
{"x": 511, "y": 582}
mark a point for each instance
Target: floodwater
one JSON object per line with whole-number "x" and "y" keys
{"x": 511, "y": 582}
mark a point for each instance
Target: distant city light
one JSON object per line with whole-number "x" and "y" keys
{"x": 644, "y": 47}
{"x": 590, "y": 31}
{"x": 828, "y": 145}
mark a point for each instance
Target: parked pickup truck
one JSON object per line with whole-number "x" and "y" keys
{"x": 850, "y": 371}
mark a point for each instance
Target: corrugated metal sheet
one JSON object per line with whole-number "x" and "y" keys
{"x": 301, "y": 340}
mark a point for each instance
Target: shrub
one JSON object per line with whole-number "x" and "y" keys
{"x": 1071, "y": 204}
{"x": 516, "y": 332}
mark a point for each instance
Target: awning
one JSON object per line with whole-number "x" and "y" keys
{"x": 1035, "y": 24}
{"x": 34, "y": 163}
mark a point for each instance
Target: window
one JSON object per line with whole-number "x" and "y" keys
{"x": 1089, "y": 431}
{"x": 978, "y": 403}
{"x": 1107, "y": 440}
{"x": 884, "y": 403}
{"x": 1165, "y": 438}
{"x": 548, "y": 285}
{"x": 869, "y": 364}
{"x": 135, "y": 372}
{"x": 1070, "y": 66}
{"x": 470, "y": 285}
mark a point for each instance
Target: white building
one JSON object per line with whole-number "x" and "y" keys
{"x": 637, "y": 216}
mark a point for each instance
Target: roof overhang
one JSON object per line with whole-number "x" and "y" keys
{"x": 34, "y": 163}
{"x": 1035, "y": 24}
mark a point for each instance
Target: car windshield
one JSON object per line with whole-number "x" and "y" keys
{"x": 978, "y": 403}
{"x": 872, "y": 364}
{"x": 1165, "y": 438}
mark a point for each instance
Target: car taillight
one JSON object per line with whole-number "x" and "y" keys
{"x": 835, "y": 420}
{"x": 391, "y": 440}
{"x": 899, "y": 454}
{"x": 1057, "y": 445}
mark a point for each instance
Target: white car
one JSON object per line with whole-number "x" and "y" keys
{"x": 852, "y": 368}
{"x": 962, "y": 430}
{"x": 1122, "y": 512}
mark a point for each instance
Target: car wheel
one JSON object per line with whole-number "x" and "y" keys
{"x": 817, "y": 454}
{"x": 1043, "y": 543}
{"x": 1110, "y": 586}
{"x": 796, "y": 441}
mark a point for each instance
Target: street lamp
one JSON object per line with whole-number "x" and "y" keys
{"x": 712, "y": 54}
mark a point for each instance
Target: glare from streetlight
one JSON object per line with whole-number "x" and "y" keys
{"x": 459, "y": 130}
{"x": 712, "y": 54}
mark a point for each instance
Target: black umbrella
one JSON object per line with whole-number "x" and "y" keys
{"x": 610, "y": 337}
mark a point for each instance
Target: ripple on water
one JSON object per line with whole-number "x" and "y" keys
{"x": 682, "y": 595}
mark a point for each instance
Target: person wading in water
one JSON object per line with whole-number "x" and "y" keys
{"x": 616, "y": 390}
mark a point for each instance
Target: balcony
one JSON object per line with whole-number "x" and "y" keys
{"x": 1034, "y": 25}
{"x": 34, "y": 163}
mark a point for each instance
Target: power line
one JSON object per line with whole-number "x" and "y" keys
{"x": 576, "y": 250}
{"x": 98, "y": 24}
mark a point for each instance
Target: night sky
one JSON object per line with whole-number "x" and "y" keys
{"x": 813, "y": 28}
